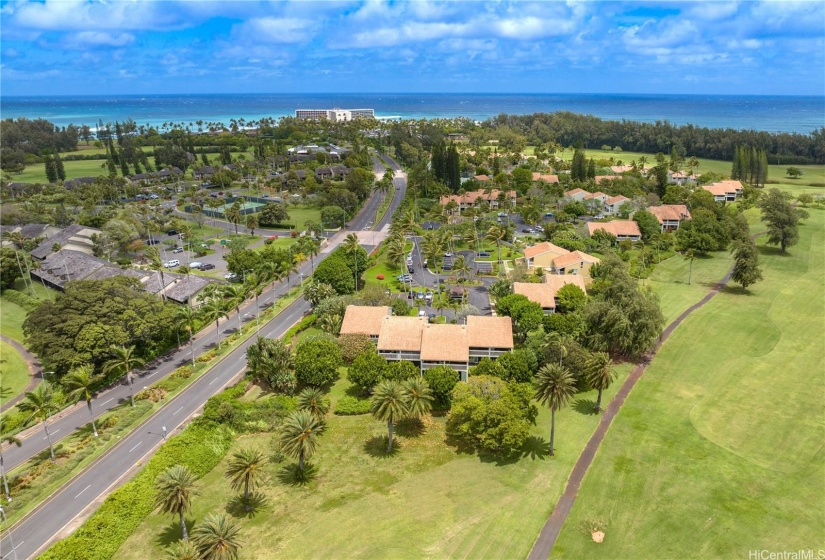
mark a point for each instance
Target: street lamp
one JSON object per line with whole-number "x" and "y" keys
{"x": 11, "y": 538}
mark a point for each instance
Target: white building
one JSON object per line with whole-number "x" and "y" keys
{"x": 337, "y": 115}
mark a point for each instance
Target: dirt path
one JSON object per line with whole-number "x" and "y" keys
{"x": 31, "y": 362}
{"x": 552, "y": 528}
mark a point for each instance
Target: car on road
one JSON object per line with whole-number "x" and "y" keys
{"x": 177, "y": 250}
{"x": 230, "y": 276}
{"x": 448, "y": 255}
{"x": 207, "y": 266}
{"x": 526, "y": 230}
{"x": 425, "y": 263}
{"x": 172, "y": 264}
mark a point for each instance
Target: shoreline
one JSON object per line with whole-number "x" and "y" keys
{"x": 772, "y": 114}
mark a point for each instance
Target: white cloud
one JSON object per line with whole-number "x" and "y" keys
{"x": 664, "y": 33}
{"x": 713, "y": 11}
{"x": 276, "y": 30}
{"x": 79, "y": 15}
{"x": 101, "y": 38}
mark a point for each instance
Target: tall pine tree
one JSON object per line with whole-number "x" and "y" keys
{"x": 51, "y": 169}
{"x": 58, "y": 166}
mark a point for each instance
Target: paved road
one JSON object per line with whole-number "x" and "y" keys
{"x": 54, "y": 518}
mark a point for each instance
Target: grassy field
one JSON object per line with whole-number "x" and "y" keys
{"x": 670, "y": 281}
{"x": 74, "y": 169}
{"x": 426, "y": 500}
{"x": 11, "y": 320}
{"x": 15, "y": 374}
{"x": 299, "y": 214}
{"x": 718, "y": 450}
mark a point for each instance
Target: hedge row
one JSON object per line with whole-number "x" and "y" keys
{"x": 200, "y": 447}
{"x": 352, "y": 406}
{"x": 22, "y": 299}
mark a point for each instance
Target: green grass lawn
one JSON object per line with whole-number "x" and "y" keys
{"x": 299, "y": 214}
{"x": 74, "y": 169}
{"x": 670, "y": 280}
{"x": 426, "y": 500}
{"x": 15, "y": 374}
{"x": 11, "y": 320}
{"x": 718, "y": 450}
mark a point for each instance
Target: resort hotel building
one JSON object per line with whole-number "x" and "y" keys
{"x": 337, "y": 115}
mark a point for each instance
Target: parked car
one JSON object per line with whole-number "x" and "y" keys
{"x": 428, "y": 296}
{"x": 207, "y": 266}
{"x": 410, "y": 269}
{"x": 483, "y": 254}
{"x": 422, "y": 313}
{"x": 172, "y": 264}
{"x": 153, "y": 241}
{"x": 431, "y": 317}
{"x": 419, "y": 295}
{"x": 177, "y": 250}
{"x": 501, "y": 215}
{"x": 172, "y": 232}
{"x": 448, "y": 255}
{"x": 154, "y": 196}
{"x": 195, "y": 264}
{"x": 230, "y": 276}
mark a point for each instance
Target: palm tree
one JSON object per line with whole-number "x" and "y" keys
{"x": 420, "y": 397}
{"x": 251, "y": 222}
{"x": 461, "y": 268}
{"x": 396, "y": 250}
{"x": 310, "y": 247}
{"x": 40, "y": 404}
{"x": 390, "y": 402}
{"x": 313, "y": 400}
{"x": 124, "y": 359}
{"x": 79, "y": 384}
{"x": 234, "y": 296}
{"x": 233, "y": 215}
{"x": 185, "y": 316}
{"x": 351, "y": 246}
{"x": 174, "y": 490}
{"x": 155, "y": 263}
{"x": 183, "y": 550}
{"x": 496, "y": 234}
{"x": 561, "y": 342}
{"x": 217, "y": 537}
{"x": 255, "y": 282}
{"x": 555, "y": 386}
{"x": 215, "y": 308}
{"x": 299, "y": 435}
{"x": 11, "y": 440}
{"x": 599, "y": 374}
{"x": 245, "y": 471}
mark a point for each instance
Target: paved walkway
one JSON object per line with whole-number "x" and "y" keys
{"x": 552, "y": 528}
{"x": 31, "y": 362}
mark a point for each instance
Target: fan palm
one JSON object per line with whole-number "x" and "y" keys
{"x": 185, "y": 317}
{"x": 79, "y": 384}
{"x": 217, "y": 537}
{"x": 313, "y": 400}
{"x": 40, "y": 404}
{"x": 299, "y": 435}
{"x": 245, "y": 471}
{"x": 555, "y": 386}
{"x": 390, "y": 403}
{"x": 215, "y": 308}
{"x": 124, "y": 359}
{"x": 182, "y": 550}
{"x": 419, "y": 396}
{"x": 174, "y": 489}
{"x": 599, "y": 374}
{"x": 11, "y": 440}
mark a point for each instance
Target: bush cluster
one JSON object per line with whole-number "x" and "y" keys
{"x": 352, "y": 406}
{"x": 24, "y": 300}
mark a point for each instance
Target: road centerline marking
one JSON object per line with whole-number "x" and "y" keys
{"x": 135, "y": 447}
{"x": 76, "y": 497}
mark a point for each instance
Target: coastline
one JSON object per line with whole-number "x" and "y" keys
{"x": 790, "y": 114}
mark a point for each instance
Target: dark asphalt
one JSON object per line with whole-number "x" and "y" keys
{"x": 52, "y": 519}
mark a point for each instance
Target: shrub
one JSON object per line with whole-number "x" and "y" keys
{"x": 441, "y": 380}
{"x": 352, "y": 406}
{"x": 317, "y": 360}
{"x": 367, "y": 370}
{"x": 184, "y": 372}
{"x": 400, "y": 307}
{"x": 353, "y": 345}
{"x": 24, "y": 300}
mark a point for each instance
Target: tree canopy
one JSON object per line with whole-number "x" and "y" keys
{"x": 91, "y": 316}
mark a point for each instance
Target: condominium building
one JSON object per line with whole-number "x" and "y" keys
{"x": 337, "y": 115}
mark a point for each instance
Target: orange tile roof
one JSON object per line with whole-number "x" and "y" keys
{"x": 575, "y": 191}
{"x": 675, "y": 212}
{"x": 616, "y": 227}
{"x": 543, "y": 294}
{"x": 363, "y": 319}
{"x": 615, "y": 199}
{"x": 401, "y": 333}
{"x": 572, "y": 258}
{"x": 472, "y": 196}
{"x": 558, "y": 281}
{"x": 445, "y": 342}
{"x": 541, "y": 248}
{"x": 545, "y": 177}
{"x": 722, "y": 188}
{"x": 489, "y": 332}
{"x": 600, "y": 178}
{"x": 481, "y": 178}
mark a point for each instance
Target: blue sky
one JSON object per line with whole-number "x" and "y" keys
{"x": 119, "y": 47}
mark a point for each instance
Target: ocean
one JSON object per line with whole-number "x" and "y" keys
{"x": 769, "y": 113}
